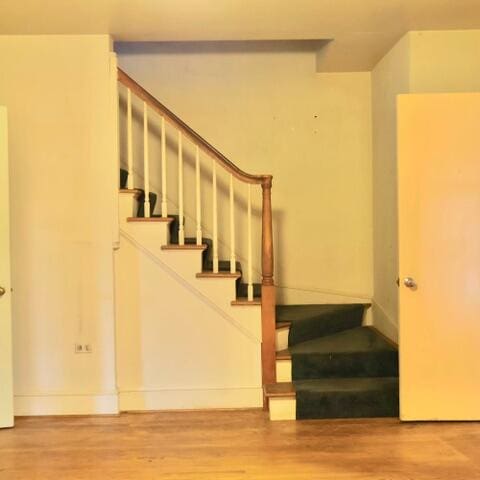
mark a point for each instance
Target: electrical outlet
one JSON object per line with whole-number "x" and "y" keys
{"x": 83, "y": 348}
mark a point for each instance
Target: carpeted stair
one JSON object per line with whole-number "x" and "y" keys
{"x": 340, "y": 369}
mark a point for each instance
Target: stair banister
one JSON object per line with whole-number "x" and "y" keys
{"x": 268, "y": 287}
{"x": 146, "y": 168}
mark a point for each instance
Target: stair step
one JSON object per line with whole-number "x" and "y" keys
{"x": 347, "y": 397}
{"x": 174, "y": 246}
{"x": 313, "y": 321}
{"x": 151, "y": 219}
{"x": 359, "y": 352}
{"x": 219, "y": 275}
{"x": 132, "y": 191}
{"x": 284, "y": 355}
{"x": 245, "y": 301}
{"x": 281, "y": 389}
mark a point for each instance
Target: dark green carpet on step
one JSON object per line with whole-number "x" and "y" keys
{"x": 313, "y": 321}
{"x": 347, "y": 398}
{"x": 358, "y": 352}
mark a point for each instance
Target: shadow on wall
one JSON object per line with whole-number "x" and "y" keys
{"x": 232, "y": 46}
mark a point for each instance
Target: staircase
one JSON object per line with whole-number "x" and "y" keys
{"x": 330, "y": 366}
{"x": 317, "y": 361}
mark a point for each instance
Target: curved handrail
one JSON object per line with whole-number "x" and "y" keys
{"x": 147, "y": 97}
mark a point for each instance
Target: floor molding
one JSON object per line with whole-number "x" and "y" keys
{"x": 190, "y": 399}
{"x": 63, "y": 404}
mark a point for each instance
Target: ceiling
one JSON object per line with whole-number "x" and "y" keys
{"x": 362, "y": 30}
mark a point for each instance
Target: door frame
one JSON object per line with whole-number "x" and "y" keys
{"x": 6, "y": 357}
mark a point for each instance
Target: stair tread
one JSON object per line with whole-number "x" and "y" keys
{"x": 354, "y": 384}
{"x": 283, "y": 355}
{"x": 245, "y": 301}
{"x": 309, "y": 322}
{"x": 209, "y": 274}
{"x": 176, "y": 246}
{"x": 154, "y": 219}
{"x": 360, "y": 339}
{"x": 281, "y": 389}
{"x": 331, "y": 385}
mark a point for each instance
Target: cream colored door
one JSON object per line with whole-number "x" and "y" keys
{"x": 439, "y": 251}
{"x": 6, "y": 394}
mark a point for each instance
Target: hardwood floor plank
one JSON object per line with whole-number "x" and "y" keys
{"x": 234, "y": 445}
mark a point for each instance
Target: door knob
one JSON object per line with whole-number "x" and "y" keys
{"x": 410, "y": 282}
{"x": 2, "y": 291}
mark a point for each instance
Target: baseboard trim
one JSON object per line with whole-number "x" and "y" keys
{"x": 384, "y": 323}
{"x": 190, "y": 399}
{"x": 62, "y": 404}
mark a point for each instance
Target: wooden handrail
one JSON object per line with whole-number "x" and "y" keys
{"x": 268, "y": 286}
{"x": 156, "y": 105}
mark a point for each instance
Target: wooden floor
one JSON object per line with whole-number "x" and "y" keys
{"x": 236, "y": 445}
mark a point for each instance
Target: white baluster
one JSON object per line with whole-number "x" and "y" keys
{"x": 198, "y": 196}
{"x": 233, "y": 260}
{"x": 215, "y": 217}
{"x": 129, "y": 140}
{"x": 249, "y": 232}
{"x": 164, "y": 170}
{"x": 146, "y": 170}
{"x": 181, "y": 230}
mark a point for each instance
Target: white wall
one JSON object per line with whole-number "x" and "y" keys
{"x": 421, "y": 62}
{"x": 270, "y": 112}
{"x": 180, "y": 344}
{"x": 390, "y": 77}
{"x": 62, "y": 179}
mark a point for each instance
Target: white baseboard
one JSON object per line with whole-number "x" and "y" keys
{"x": 384, "y": 323}
{"x": 52, "y": 404}
{"x": 190, "y": 399}
{"x": 299, "y": 296}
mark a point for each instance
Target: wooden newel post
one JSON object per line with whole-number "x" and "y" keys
{"x": 268, "y": 287}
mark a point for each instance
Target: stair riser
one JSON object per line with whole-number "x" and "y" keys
{"x": 151, "y": 234}
{"x": 370, "y": 364}
{"x": 220, "y": 290}
{"x": 283, "y": 370}
{"x": 313, "y": 405}
{"x": 282, "y": 408}
{"x": 281, "y": 339}
{"x": 310, "y": 329}
{"x": 127, "y": 205}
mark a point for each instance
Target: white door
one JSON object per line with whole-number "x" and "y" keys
{"x": 439, "y": 253}
{"x": 6, "y": 387}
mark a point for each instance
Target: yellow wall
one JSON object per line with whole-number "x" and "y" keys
{"x": 421, "y": 62}
{"x": 62, "y": 179}
{"x": 447, "y": 61}
{"x": 271, "y": 113}
{"x": 390, "y": 77}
